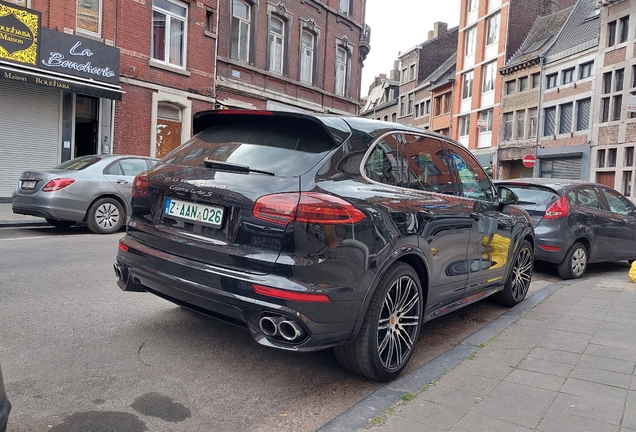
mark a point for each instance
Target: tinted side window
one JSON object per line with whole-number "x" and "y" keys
{"x": 617, "y": 203}
{"x": 472, "y": 178}
{"x": 427, "y": 165}
{"x": 381, "y": 165}
{"x": 114, "y": 169}
{"x": 590, "y": 198}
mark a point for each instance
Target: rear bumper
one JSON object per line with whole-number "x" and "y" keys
{"x": 228, "y": 295}
{"x": 50, "y": 208}
{"x": 551, "y": 243}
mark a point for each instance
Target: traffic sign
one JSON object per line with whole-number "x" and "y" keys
{"x": 529, "y": 161}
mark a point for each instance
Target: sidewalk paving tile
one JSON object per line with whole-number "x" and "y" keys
{"x": 517, "y": 403}
{"x": 555, "y": 355}
{"x": 616, "y": 339}
{"x": 578, "y": 387}
{"x": 606, "y": 363}
{"x": 578, "y": 325}
{"x": 536, "y": 379}
{"x": 438, "y": 415}
{"x": 556, "y": 421}
{"x": 590, "y": 407}
{"x": 398, "y": 423}
{"x": 620, "y": 353}
{"x": 475, "y": 422}
{"x": 547, "y": 367}
{"x": 605, "y": 377}
{"x": 565, "y": 341}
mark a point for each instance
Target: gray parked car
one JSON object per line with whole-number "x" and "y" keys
{"x": 577, "y": 222}
{"x": 95, "y": 189}
{"x": 5, "y": 406}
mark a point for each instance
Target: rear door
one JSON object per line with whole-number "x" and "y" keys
{"x": 591, "y": 215}
{"x": 443, "y": 220}
{"x": 121, "y": 173}
{"x": 622, "y": 216}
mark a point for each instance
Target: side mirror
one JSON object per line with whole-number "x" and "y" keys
{"x": 506, "y": 196}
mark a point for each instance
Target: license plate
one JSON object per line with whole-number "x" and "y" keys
{"x": 28, "y": 184}
{"x": 206, "y": 214}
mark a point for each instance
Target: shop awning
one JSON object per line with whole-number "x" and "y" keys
{"x": 19, "y": 75}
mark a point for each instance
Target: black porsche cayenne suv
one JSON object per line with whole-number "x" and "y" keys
{"x": 317, "y": 231}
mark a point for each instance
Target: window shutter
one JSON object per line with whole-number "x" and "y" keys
{"x": 565, "y": 122}
{"x": 550, "y": 121}
{"x": 583, "y": 115}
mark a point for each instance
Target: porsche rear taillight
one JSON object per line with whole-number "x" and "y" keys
{"x": 560, "y": 208}
{"x": 57, "y": 183}
{"x": 306, "y": 207}
{"x": 140, "y": 185}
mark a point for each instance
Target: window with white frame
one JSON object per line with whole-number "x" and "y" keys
{"x": 490, "y": 71}
{"x": 241, "y": 30}
{"x": 567, "y": 76}
{"x": 276, "y": 44}
{"x": 342, "y": 67}
{"x": 472, "y": 5}
{"x": 169, "y": 18}
{"x": 471, "y": 39}
{"x": 88, "y": 16}
{"x": 485, "y": 121}
{"x": 585, "y": 70}
{"x": 464, "y": 125}
{"x": 345, "y": 6}
{"x": 307, "y": 57}
{"x": 492, "y": 29}
{"x": 467, "y": 84}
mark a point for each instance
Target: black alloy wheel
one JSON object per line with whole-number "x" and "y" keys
{"x": 518, "y": 282}
{"x": 390, "y": 329}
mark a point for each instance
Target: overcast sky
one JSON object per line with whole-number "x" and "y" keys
{"x": 398, "y": 25}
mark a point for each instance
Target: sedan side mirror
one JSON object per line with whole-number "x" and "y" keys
{"x": 506, "y": 196}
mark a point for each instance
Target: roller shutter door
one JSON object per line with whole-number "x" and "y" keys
{"x": 30, "y": 137}
{"x": 567, "y": 168}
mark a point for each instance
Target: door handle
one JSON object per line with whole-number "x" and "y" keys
{"x": 122, "y": 182}
{"x": 475, "y": 216}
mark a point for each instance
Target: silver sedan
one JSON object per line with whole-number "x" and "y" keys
{"x": 94, "y": 189}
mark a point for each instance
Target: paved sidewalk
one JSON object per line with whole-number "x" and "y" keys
{"x": 563, "y": 360}
{"x": 10, "y": 219}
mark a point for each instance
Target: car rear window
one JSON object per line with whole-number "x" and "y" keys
{"x": 78, "y": 164}
{"x": 282, "y": 150}
{"x": 531, "y": 195}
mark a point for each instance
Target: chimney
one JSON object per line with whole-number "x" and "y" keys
{"x": 439, "y": 29}
{"x": 548, "y": 7}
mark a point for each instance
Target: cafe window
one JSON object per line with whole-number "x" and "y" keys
{"x": 169, "y": 32}
{"x": 89, "y": 16}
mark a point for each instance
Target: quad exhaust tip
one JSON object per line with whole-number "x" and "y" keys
{"x": 277, "y": 327}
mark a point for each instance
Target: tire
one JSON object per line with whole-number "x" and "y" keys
{"x": 518, "y": 282}
{"x": 575, "y": 262}
{"x": 390, "y": 329}
{"x": 105, "y": 216}
{"x": 60, "y": 223}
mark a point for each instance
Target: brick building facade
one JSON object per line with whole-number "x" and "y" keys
{"x": 614, "y": 107}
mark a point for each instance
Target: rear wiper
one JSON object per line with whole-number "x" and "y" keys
{"x": 226, "y": 166}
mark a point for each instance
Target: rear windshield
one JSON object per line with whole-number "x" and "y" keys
{"x": 78, "y": 164}
{"x": 283, "y": 151}
{"x": 531, "y": 195}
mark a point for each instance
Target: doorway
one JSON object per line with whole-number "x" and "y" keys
{"x": 86, "y": 125}
{"x": 169, "y": 128}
